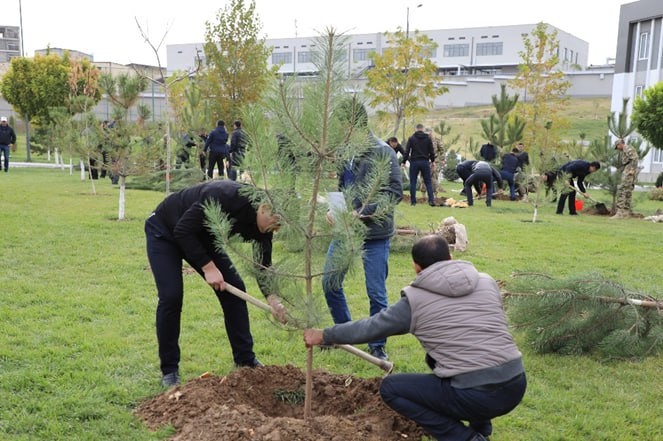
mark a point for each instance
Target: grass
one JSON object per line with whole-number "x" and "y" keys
{"x": 77, "y": 339}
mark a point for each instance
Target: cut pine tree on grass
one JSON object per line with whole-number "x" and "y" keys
{"x": 586, "y": 314}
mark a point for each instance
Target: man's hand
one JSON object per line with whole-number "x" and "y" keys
{"x": 586, "y": 195}
{"x": 313, "y": 337}
{"x": 213, "y": 277}
{"x": 278, "y": 310}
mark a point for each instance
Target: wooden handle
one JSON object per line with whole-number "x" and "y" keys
{"x": 385, "y": 365}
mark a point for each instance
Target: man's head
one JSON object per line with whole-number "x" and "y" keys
{"x": 428, "y": 250}
{"x": 237, "y": 124}
{"x": 3, "y": 120}
{"x": 267, "y": 221}
{"x": 419, "y": 127}
{"x": 515, "y": 150}
{"x": 393, "y": 142}
{"x": 593, "y": 166}
{"x": 619, "y": 144}
{"x": 220, "y": 123}
{"x": 520, "y": 146}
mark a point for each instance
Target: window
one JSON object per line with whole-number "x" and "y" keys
{"x": 456, "y": 50}
{"x": 361, "y": 54}
{"x": 657, "y": 155}
{"x": 281, "y": 57}
{"x": 484, "y": 49}
{"x": 638, "y": 91}
{"x": 304, "y": 57}
{"x": 644, "y": 46}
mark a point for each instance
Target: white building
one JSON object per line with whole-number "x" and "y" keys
{"x": 639, "y": 64}
{"x": 468, "y": 51}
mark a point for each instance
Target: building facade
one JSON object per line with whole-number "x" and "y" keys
{"x": 485, "y": 51}
{"x": 639, "y": 64}
{"x": 10, "y": 43}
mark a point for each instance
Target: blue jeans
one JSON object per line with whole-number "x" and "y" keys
{"x": 376, "y": 268}
{"x": 440, "y": 409}
{"x": 423, "y": 166}
{"x": 509, "y": 178}
{"x": 4, "y": 149}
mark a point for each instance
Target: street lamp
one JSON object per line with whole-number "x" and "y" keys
{"x": 407, "y": 36}
{"x": 407, "y": 20}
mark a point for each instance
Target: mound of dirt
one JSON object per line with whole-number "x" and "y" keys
{"x": 267, "y": 404}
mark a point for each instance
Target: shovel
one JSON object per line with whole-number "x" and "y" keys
{"x": 600, "y": 207}
{"x": 385, "y": 365}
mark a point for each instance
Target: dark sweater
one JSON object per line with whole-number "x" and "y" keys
{"x": 577, "y": 169}
{"x": 419, "y": 147}
{"x": 181, "y": 219}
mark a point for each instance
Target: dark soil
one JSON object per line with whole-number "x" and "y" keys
{"x": 267, "y": 403}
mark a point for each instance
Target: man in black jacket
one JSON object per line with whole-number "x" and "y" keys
{"x": 217, "y": 149}
{"x": 7, "y": 140}
{"x": 420, "y": 153}
{"x": 482, "y": 172}
{"x": 177, "y": 231}
{"x": 578, "y": 170}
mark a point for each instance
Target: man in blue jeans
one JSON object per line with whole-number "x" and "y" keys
{"x": 419, "y": 151}
{"x": 377, "y": 214}
{"x": 456, "y": 314}
{"x": 7, "y": 140}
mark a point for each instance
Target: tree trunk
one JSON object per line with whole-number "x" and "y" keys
{"x": 82, "y": 169}
{"x": 308, "y": 395}
{"x": 122, "y": 203}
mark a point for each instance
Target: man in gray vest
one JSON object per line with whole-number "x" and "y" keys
{"x": 456, "y": 314}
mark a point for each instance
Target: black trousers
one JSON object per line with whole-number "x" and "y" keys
{"x": 571, "y": 194}
{"x": 165, "y": 259}
{"x": 216, "y": 159}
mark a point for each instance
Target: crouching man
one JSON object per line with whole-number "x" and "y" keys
{"x": 456, "y": 314}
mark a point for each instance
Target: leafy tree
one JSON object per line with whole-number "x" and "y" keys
{"x": 237, "y": 72}
{"x": 403, "y": 78}
{"x": 648, "y": 114}
{"x": 543, "y": 85}
{"x": 33, "y": 86}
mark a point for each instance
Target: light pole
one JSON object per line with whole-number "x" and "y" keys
{"x": 407, "y": 37}
{"x": 407, "y": 20}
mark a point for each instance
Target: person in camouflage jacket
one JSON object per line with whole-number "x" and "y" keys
{"x": 629, "y": 168}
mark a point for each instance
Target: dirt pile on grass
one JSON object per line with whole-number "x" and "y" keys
{"x": 267, "y": 404}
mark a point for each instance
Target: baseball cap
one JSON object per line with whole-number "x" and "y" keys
{"x": 3, "y": 119}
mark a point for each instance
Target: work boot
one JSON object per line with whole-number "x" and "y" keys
{"x": 378, "y": 352}
{"x": 620, "y": 214}
{"x": 171, "y": 379}
{"x": 251, "y": 364}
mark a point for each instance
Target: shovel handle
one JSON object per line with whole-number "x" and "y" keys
{"x": 385, "y": 365}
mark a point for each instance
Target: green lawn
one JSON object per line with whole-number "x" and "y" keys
{"x": 77, "y": 340}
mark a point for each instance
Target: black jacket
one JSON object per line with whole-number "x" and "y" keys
{"x": 217, "y": 140}
{"x": 362, "y": 170}
{"x": 419, "y": 147}
{"x": 510, "y": 163}
{"x": 7, "y": 135}
{"x": 577, "y": 169}
{"x": 237, "y": 145}
{"x": 181, "y": 218}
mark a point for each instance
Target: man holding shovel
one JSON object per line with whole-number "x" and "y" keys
{"x": 177, "y": 231}
{"x": 578, "y": 170}
{"x": 456, "y": 314}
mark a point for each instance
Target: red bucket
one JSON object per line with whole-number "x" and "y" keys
{"x": 579, "y": 205}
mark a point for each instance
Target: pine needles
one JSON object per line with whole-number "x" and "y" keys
{"x": 587, "y": 314}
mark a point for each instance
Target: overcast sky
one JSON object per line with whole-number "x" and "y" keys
{"x": 108, "y": 30}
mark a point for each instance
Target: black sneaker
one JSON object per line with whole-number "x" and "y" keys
{"x": 378, "y": 352}
{"x": 171, "y": 379}
{"x": 250, "y": 364}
